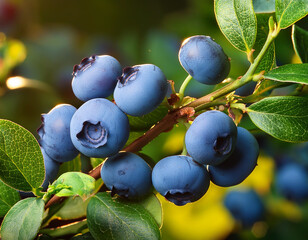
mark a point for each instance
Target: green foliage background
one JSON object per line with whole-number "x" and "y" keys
{"x": 45, "y": 39}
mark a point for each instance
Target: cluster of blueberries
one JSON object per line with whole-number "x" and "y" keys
{"x": 245, "y": 205}
{"x": 291, "y": 178}
{"x": 218, "y": 150}
{"x": 290, "y": 182}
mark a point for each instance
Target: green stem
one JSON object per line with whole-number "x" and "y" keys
{"x": 46, "y": 197}
{"x": 38, "y": 192}
{"x": 240, "y": 106}
{"x": 183, "y": 87}
{"x": 184, "y": 151}
{"x": 174, "y": 116}
{"x": 241, "y": 81}
{"x": 52, "y": 190}
{"x": 210, "y": 104}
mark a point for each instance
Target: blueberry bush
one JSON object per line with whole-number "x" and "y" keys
{"x": 86, "y": 167}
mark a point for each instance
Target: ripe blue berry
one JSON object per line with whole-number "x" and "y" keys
{"x": 95, "y": 77}
{"x": 291, "y": 181}
{"x": 246, "y": 90}
{"x": 99, "y": 128}
{"x": 140, "y": 89}
{"x": 180, "y": 179}
{"x": 245, "y": 206}
{"x": 127, "y": 175}
{"x": 204, "y": 59}
{"x": 211, "y": 138}
{"x": 51, "y": 169}
{"x": 54, "y": 133}
{"x": 240, "y": 164}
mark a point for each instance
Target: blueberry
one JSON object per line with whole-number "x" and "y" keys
{"x": 246, "y": 90}
{"x": 211, "y": 138}
{"x": 51, "y": 169}
{"x": 180, "y": 179}
{"x": 25, "y": 194}
{"x": 245, "y": 206}
{"x": 54, "y": 133}
{"x": 140, "y": 89}
{"x": 95, "y": 77}
{"x": 240, "y": 164}
{"x": 291, "y": 181}
{"x": 99, "y": 128}
{"x": 204, "y": 59}
{"x": 127, "y": 175}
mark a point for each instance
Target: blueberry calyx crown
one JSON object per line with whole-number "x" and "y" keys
{"x": 41, "y": 131}
{"x": 84, "y": 64}
{"x": 223, "y": 145}
{"x": 129, "y": 74}
{"x": 121, "y": 192}
{"x": 179, "y": 197}
{"x": 93, "y": 135}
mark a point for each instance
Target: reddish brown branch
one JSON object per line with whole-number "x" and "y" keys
{"x": 164, "y": 125}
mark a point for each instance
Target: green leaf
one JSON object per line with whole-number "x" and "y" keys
{"x": 23, "y": 220}
{"x": 44, "y": 237}
{"x": 133, "y": 136}
{"x": 96, "y": 162}
{"x": 153, "y": 205}
{"x": 237, "y": 21}
{"x": 8, "y": 197}
{"x": 264, "y": 88}
{"x": 283, "y": 117}
{"x": 268, "y": 60}
{"x": 295, "y": 73}
{"x": 264, "y": 6}
{"x": 300, "y": 42}
{"x": 66, "y": 230}
{"x": 248, "y": 124}
{"x": 146, "y": 121}
{"x": 114, "y": 218}
{"x": 86, "y": 236}
{"x": 21, "y": 159}
{"x": 290, "y": 11}
{"x": 80, "y": 184}
{"x": 73, "y": 207}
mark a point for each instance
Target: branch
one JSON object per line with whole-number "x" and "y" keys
{"x": 166, "y": 124}
{"x": 187, "y": 111}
